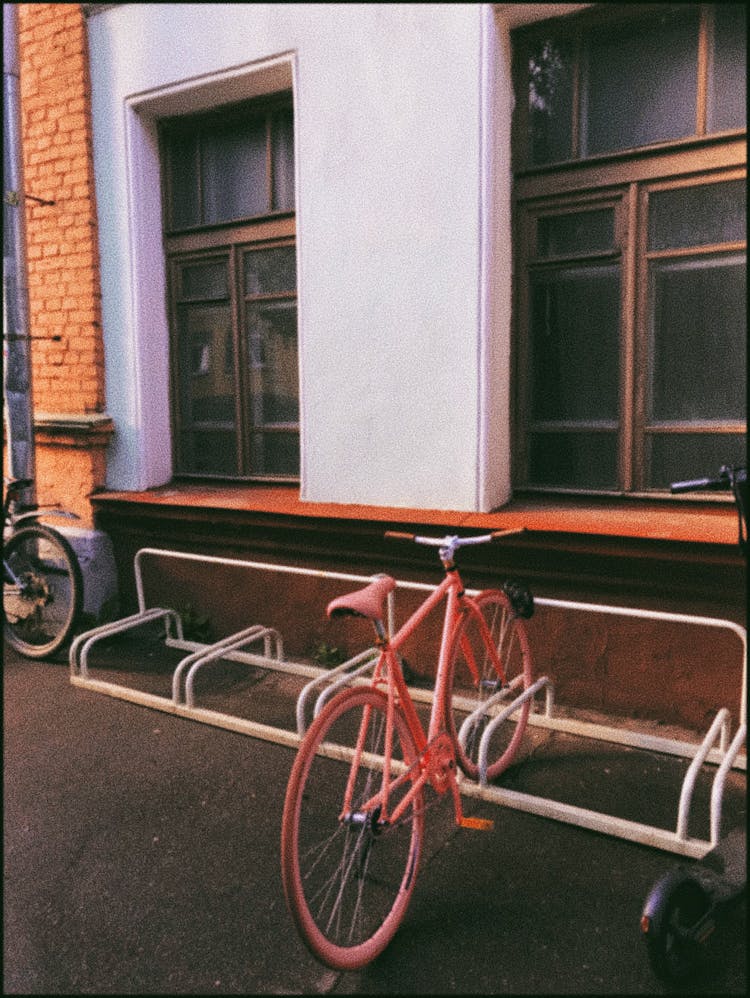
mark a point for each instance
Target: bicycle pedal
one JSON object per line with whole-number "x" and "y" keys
{"x": 478, "y": 824}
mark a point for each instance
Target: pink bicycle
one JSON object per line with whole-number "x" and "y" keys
{"x": 353, "y": 820}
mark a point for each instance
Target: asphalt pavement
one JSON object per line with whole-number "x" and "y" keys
{"x": 142, "y": 857}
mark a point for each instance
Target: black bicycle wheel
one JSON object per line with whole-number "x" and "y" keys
{"x": 674, "y": 949}
{"x": 42, "y": 590}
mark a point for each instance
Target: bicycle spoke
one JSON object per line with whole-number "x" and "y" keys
{"x": 489, "y": 637}
{"x": 348, "y": 876}
{"x": 42, "y": 590}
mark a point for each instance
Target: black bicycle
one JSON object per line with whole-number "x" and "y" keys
{"x": 685, "y": 905}
{"x": 42, "y": 581}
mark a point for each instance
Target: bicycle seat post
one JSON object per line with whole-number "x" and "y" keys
{"x": 380, "y": 631}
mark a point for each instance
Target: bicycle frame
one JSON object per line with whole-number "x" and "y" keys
{"x": 434, "y": 748}
{"x": 12, "y": 519}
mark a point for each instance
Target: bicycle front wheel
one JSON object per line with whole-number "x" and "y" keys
{"x": 348, "y": 875}
{"x": 42, "y": 590}
{"x": 473, "y": 679}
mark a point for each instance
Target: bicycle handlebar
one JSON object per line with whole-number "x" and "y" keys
{"x": 451, "y": 541}
{"x": 728, "y": 479}
{"x": 703, "y": 484}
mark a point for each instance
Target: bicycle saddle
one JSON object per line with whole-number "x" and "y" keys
{"x": 367, "y": 602}
{"x": 18, "y": 484}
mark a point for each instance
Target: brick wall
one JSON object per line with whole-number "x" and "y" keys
{"x": 64, "y": 288}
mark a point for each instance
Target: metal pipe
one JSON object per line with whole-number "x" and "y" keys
{"x": 717, "y": 787}
{"x": 688, "y": 784}
{"x": 16, "y": 323}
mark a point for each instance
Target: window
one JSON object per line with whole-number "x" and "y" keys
{"x": 229, "y": 236}
{"x": 630, "y": 207}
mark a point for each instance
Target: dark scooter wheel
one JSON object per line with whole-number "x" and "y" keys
{"x": 675, "y": 926}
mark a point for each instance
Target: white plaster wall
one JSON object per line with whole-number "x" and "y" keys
{"x": 404, "y": 277}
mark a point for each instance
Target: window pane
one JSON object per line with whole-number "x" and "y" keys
{"x": 695, "y": 216}
{"x": 575, "y": 318}
{"x": 209, "y": 452}
{"x": 272, "y": 358}
{"x": 270, "y": 271}
{"x": 205, "y": 280}
{"x": 550, "y": 96}
{"x": 576, "y": 233}
{"x": 234, "y": 172}
{"x": 674, "y": 457}
{"x": 275, "y": 454}
{"x": 206, "y": 383}
{"x": 182, "y": 160}
{"x": 574, "y": 460}
{"x": 283, "y": 160}
{"x": 642, "y": 84}
{"x": 698, "y": 339}
{"x": 727, "y": 76}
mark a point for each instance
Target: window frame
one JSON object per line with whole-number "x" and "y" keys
{"x": 573, "y": 28}
{"x": 226, "y": 240}
{"x": 265, "y": 108}
{"x": 627, "y": 176}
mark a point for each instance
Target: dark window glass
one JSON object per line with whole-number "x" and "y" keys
{"x": 576, "y": 233}
{"x": 272, "y": 358}
{"x": 225, "y": 168}
{"x": 270, "y": 270}
{"x": 642, "y": 84}
{"x": 234, "y": 173}
{"x": 698, "y": 216}
{"x": 727, "y": 76}
{"x": 550, "y": 97}
{"x": 229, "y": 179}
{"x": 574, "y": 460}
{"x": 575, "y": 332}
{"x": 206, "y": 386}
{"x": 699, "y": 336}
{"x": 675, "y": 457}
{"x": 631, "y": 319}
{"x": 184, "y": 186}
{"x": 205, "y": 280}
{"x": 600, "y": 88}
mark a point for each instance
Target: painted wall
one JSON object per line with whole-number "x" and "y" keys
{"x": 403, "y": 188}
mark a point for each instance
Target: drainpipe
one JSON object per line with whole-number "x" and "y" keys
{"x": 16, "y": 331}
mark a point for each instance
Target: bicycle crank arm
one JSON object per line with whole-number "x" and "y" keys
{"x": 463, "y": 820}
{"x": 477, "y": 824}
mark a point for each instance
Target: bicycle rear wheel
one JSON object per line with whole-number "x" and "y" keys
{"x": 473, "y": 679}
{"x": 348, "y": 878}
{"x": 42, "y": 590}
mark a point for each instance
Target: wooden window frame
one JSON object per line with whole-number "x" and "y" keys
{"x": 255, "y": 108}
{"x": 227, "y": 240}
{"x": 627, "y": 176}
{"x": 573, "y": 29}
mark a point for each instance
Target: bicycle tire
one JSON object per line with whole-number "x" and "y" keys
{"x": 467, "y": 690}
{"x": 676, "y": 905}
{"x": 348, "y": 885}
{"x": 39, "y": 615}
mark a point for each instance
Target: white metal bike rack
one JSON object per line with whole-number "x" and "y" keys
{"x": 323, "y": 683}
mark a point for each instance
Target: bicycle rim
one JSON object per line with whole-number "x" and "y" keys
{"x": 40, "y": 608}
{"x": 348, "y": 882}
{"x": 473, "y": 680}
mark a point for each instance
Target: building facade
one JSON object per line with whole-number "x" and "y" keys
{"x": 464, "y": 265}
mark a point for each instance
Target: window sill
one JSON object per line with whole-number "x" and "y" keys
{"x": 651, "y": 520}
